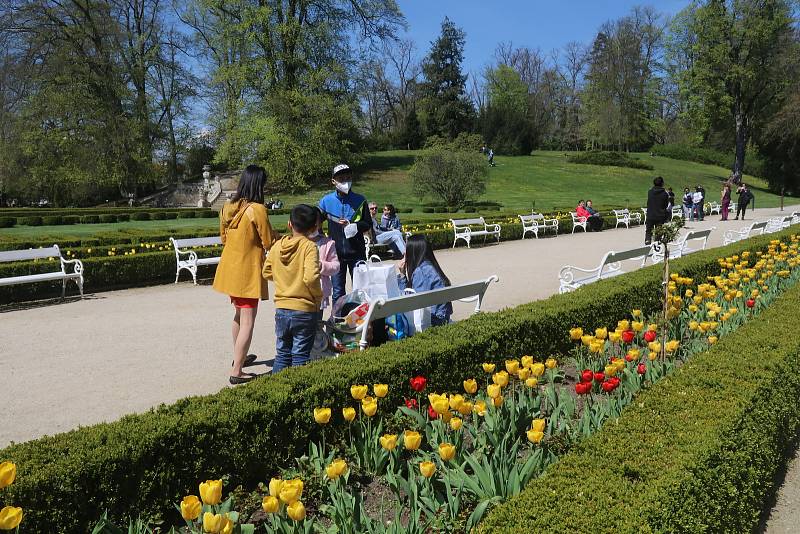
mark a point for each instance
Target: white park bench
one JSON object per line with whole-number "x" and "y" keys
{"x": 383, "y": 308}
{"x": 677, "y": 212}
{"x": 58, "y": 273}
{"x": 192, "y": 262}
{"x": 776, "y": 224}
{"x": 796, "y": 217}
{"x": 681, "y": 246}
{"x": 466, "y": 229}
{"x": 714, "y": 208}
{"x": 626, "y": 217}
{"x": 578, "y": 222}
{"x": 571, "y": 278}
{"x": 535, "y": 222}
{"x": 732, "y": 236}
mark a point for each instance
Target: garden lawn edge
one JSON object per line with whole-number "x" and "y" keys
{"x": 144, "y": 463}
{"x": 697, "y": 452}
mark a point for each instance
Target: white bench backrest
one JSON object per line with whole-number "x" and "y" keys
{"x": 576, "y": 218}
{"x": 196, "y": 242}
{"x": 698, "y": 234}
{"x": 758, "y": 226}
{"x": 380, "y": 309}
{"x": 528, "y": 218}
{"x": 467, "y": 222}
{"x": 30, "y": 254}
{"x": 632, "y": 254}
{"x": 537, "y": 216}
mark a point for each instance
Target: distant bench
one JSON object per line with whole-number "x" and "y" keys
{"x": 191, "y": 262}
{"x": 466, "y": 229}
{"x": 571, "y": 278}
{"x": 626, "y": 217}
{"x": 681, "y": 246}
{"x": 732, "y": 236}
{"x": 43, "y": 253}
{"x": 535, "y": 222}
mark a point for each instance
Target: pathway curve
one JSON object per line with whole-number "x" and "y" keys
{"x": 115, "y": 353}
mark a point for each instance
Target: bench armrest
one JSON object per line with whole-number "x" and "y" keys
{"x": 496, "y": 227}
{"x": 77, "y": 265}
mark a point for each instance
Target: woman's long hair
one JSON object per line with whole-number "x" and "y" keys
{"x": 251, "y": 184}
{"x": 392, "y": 210}
{"x": 417, "y": 251}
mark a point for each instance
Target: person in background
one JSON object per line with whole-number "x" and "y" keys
{"x": 657, "y": 200}
{"x": 725, "y": 200}
{"x": 744, "y": 200}
{"x": 702, "y": 210}
{"x": 348, "y": 218}
{"x": 688, "y": 204}
{"x": 420, "y": 271}
{"x": 329, "y": 262}
{"x": 697, "y": 203}
{"x": 246, "y": 233}
{"x": 585, "y": 215}
{"x": 491, "y": 157}
{"x": 294, "y": 266}
{"x": 671, "y": 202}
{"x": 386, "y": 228}
{"x": 595, "y": 220}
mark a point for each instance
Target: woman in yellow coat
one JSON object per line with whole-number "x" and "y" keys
{"x": 246, "y": 235}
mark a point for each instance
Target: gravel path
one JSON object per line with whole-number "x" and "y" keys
{"x": 86, "y": 361}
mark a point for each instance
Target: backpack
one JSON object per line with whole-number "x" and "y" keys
{"x": 397, "y": 327}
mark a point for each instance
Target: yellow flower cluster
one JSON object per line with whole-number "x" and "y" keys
{"x": 10, "y": 516}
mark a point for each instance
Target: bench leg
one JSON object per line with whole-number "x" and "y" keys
{"x": 63, "y": 288}
{"x": 193, "y": 270}
{"x": 177, "y": 274}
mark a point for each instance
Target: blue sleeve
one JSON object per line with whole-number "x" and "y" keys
{"x": 402, "y": 283}
{"x": 426, "y": 278}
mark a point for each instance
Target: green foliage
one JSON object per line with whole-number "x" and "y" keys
{"x": 52, "y": 220}
{"x": 144, "y": 463}
{"x": 7, "y": 222}
{"x": 140, "y": 216}
{"x": 452, "y": 176}
{"x": 694, "y": 433}
{"x": 708, "y": 156}
{"x": 186, "y": 215}
{"x": 90, "y": 219}
{"x": 612, "y": 159}
{"x": 108, "y": 218}
{"x": 30, "y": 221}
{"x": 504, "y": 122}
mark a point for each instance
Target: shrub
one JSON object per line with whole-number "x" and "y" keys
{"x": 90, "y": 219}
{"x": 140, "y": 216}
{"x": 207, "y": 214}
{"x": 7, "y": 222}
{"x": 454, "y": 177}
{"x": 52, "y": 220}
{"x": 158, "y": 216}
{"x": 108, "y": 218}
{"x": 753, "y": 165}
{"x": 145, "y": 462}
{"x": 186, "y": 214}
{"x": 30, "y": 221}
{"x": 613, "y": 159}
{"x": 71, "y": 219}
{"x": 427, "y": 209}
{"x": 123, "y": 217}
{"x": 709, "y": 441}
{"x": 170, "y": 215}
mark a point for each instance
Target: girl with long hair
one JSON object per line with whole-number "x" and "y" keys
{"x": 420, "y": 271}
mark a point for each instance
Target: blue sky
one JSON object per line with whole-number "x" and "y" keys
{"x": 544, "y": 24}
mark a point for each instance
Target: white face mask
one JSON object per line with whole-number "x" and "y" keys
{"x": 343, "y": 187}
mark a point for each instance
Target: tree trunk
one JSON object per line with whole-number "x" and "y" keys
{"x": 741, "y": 139}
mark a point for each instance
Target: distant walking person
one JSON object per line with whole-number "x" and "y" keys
{"x": 246, "y": 233}
{"x": 688, "y": 203}
{"x": 744, "y": 199}
{"x": 702, "y": 210}
{"x": 726, "y": 201}
{"x": 657, "y": 201}
{"x": 491, "y": 157}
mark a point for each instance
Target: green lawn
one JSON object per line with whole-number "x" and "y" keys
{"x": 544, "y": 181}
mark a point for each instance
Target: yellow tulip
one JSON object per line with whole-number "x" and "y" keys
{"x": 512, "y": 366}
{"x": 349, "y": 414}
{"x": 270, "y": 504}
{"x": 623, "y": 325}
{"x": 672, "y": 346}
{"x": 633, "y": 354}
{"x": 191, "y": 508}
{"x": 637, "y": 326}
{"x": 470, "y": 386}
{"x": 535, "y": 436}
{"x": 493, "y": 390}
{"x": 447, "y": 451}
{"x": 322, "y": 415}
{"x": 654, "y": 346}
{"x": 380, "y": 390}
{"x": 527, "y": 361}
{"x": 369, "y": 405}
{"x": 538, "y": 425}
{"x": 610, "y": 370}
{"x": 427, "y": 469}
{"x": 296, "y": 511}
{"x": 212, "y": 522}
{"x": 575, "y": 334}
{"x": 524, "y": 373}
{"x": 439, "y": 403}
{"x": 712, "y": 339}
{"x": 456, "y": 423}
{"x": 358, "y": 392}
{"x": 601, "y": 333}
{"x": 227, "y": 525}
{"x": 412, "y": 440}
{"x": 531, "y": 382}
{"x": 8, "y": 472}
{"x": 550, "y": 363}
{"x": 537, "y": 369}
{"x": 275, "y": 486}
{"x": 488, "y": 367}
{"x": 636, "y": 313}
{"x": 587, "y": 340}
{"x": 465, "y": 408}
{"x": 291, "y": 491}
{"x": 446, "y": 417}
{"x": 10, "y": 518}
{"x": 211, "y": 491}
{"x": 336, "y": 469}
{"x": 497, "y": 401}
{"x": 388, "y": 441}
{"x": 479, "y": 408}
{"x": 500, "y": 378}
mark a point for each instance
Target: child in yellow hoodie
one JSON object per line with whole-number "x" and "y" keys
{"x": 293, "y": 265}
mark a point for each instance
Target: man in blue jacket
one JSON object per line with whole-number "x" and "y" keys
{"x": 348, "y": 218}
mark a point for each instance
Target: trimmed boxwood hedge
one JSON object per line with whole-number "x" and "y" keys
{"x": 30, "y": 221}
{"x": 140, "y": 216}
{"x": 7, "y": 222}
{"x": 696, "y": 453}
{"x": 144, "y": 463}
{"x": 108, "y": 218}
{"x": 188, "y": 214}
{"x": 90, "y": 219}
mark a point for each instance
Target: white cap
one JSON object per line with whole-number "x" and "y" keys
{"x": 339, "y": 169}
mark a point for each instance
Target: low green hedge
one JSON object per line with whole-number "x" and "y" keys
{"x": 108, "y": 218}
{"x": 89, "y": 216}
{"x": 7, "y": 222}
{"x": 30, "y": 221}
{"x": 140, "y": 216}
{"x": 90, "y": 219}
{"x": 696, "y": 453}
{"x": 188, "y": 214}
{"x": 159, "y": 216}
{"x": 52, "y": 220}
{"x": 144, "y": 463}
{"x": 614, "y": 159}
{"x": 753, "y": 165}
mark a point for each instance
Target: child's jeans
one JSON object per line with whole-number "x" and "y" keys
{"x": 294, "y": 333}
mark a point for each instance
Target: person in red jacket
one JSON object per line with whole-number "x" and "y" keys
{"x": 595, "y": 222}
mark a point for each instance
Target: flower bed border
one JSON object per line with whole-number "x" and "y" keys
{"x": 145, "y": 462}
{"x": 698, "y": 452}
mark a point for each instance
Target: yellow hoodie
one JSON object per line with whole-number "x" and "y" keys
{"x": 293, "y": 264}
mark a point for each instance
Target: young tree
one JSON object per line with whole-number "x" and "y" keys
{"x": 450, "y": 175}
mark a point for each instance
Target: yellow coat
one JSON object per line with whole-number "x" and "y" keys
{"x": 246, "y": 233}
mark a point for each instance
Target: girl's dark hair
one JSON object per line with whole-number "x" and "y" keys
{"x": 251, "y": 184}
{"x": 320, "y": 217}
{"x": 392, "y": 211}
{"x": 417, "y": 251}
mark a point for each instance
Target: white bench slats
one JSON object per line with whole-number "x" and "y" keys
{"x": 626, "y": 217}
{"x": 382, "y": 308}
{"x": 715, "y": 208}
{"x": 732, "y": 236}
{"x": 680, "y": 247}
{"x": 192, "y": 262}
{"x": 776, "y": 224}
{"x": 40, "y": 253}
{"x": 610, "y": 266}
{"x": 462, "y": 228}
{"x": 578, "y": 222}
{"x": 535, "y": 222}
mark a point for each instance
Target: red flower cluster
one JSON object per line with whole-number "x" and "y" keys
{"x": 418, "y": 383}
{"x": 750, "y": 303}
{"x": 411, "y": 403}
{"x": 432, "y": 413}
{"x": 650, "y": 336}
{"x": 641, "y": 369}
{"x": 610, "y": 384}
{"x": 628, "y": 335}
{"x": 583, "y": 388}
{"x": 607, "y": 384}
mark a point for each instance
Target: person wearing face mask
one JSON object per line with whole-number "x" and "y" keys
{"x": 348, "y": 218}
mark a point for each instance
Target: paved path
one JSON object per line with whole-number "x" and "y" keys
{"x": 86, "y": 361}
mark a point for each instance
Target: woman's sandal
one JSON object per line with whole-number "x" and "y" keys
{"x": 248, "y": 360}
{"x": 236, "y": 380}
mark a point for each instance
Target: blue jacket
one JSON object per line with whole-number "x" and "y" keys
{"x": 426, "y": 278}
{"x": 352, "y": 207}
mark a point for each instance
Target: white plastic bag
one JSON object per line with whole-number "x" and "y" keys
{"x": 419, "y": 320}
{"x": 377, "y": 280}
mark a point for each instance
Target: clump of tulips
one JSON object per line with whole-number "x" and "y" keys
{"x": 10, "y": 516}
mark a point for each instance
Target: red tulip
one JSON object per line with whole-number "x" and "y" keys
{"x": 641, "y": 369}
{"x": 587, "y": 375}
{"x": 628, "y": 335}
{"x": 750, "y": 303}
{"x": 418, "y": 383}
{"x": 629, "y": 357}
{"x": 432, "y": 413}
{"x": 599, "y": 377}
{"x": 607, "y": 386}
{"x": 650, "y": 336}
{"x": 411, "y": 403}
{"x": 615, "y": 381}
{"x": 582, "y": 388}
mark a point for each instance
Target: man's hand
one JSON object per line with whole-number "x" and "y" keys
{"x": 344, "y": 222}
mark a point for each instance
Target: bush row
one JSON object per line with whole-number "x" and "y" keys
{"x": 753, "y": 165}
{"x": 54, "y": 220}
{"x": 44, "y": 212}
{"x": 113, "y": 238}
{"x": 697, "y": 453}
{"x": 145, "y": 462}
{"x": 614, "y": 159}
